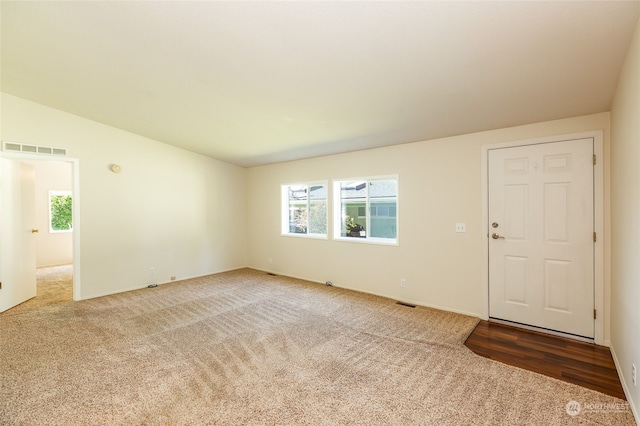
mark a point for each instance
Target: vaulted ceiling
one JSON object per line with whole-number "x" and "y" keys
{"x": 261, "y": 82}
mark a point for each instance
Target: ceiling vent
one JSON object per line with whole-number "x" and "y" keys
{"x": 33, "y": 149}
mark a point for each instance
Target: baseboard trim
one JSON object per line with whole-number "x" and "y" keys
{"x": 386, "y": 296}
{"x": 110, "y": 293}
{"x": 625, "y": 387}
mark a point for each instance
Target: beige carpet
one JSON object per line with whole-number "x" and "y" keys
{"x": 54, "y": 284}
{"x": 247, "y": 348}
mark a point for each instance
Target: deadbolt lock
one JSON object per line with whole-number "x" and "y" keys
{"x": 494, "y": 225}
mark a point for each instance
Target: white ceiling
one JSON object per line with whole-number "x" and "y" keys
{"x": 261, "y": 82}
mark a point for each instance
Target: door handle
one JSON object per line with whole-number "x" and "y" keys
{"x": 34, "y": 230}
{"x": 496, "y": 236}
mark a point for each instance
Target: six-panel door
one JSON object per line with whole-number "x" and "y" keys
{"x": 541, "y": 250}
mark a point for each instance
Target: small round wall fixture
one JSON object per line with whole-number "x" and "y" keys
{"x": 115, "y": 168}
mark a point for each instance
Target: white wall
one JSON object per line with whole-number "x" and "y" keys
{"x": 439, "y": 185}
{"x": 52, "y": 248}
{"x": 178, "y": 212}
{"x": 625, "y": 222}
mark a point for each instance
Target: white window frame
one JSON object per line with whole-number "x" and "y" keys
{"x": 337, "y": 211}
{"x": 284, "y": 214}
{"x": 53, "y": 193}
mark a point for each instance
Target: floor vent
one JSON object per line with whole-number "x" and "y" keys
{"x": 33, "y": 149}
{"x": 408, "y": 305}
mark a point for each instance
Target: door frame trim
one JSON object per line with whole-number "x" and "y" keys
{"x": 600, "y": 284}
{"x": 75, "y": 164}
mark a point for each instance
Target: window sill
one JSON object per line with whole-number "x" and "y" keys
{"x": 306, "y": 236}
{"x": 363, "y": 240}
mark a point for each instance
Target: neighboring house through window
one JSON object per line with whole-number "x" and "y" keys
{"x": 366, "y": 209}
{"x": 304, "y": 209}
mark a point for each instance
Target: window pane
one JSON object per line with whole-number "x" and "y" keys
{"x": 298, "y": 193}
{"x": 353, "y": 225}
{"x": 383, "y": 195}
{"x": 379, "y": 189}
{"x": 61, "y": 207}
{"x": 298, "y": 219}
{"x": 318, "y": 192}
{"x": 318, "y": 217}
{"x": 367, "y": 209}
{"x": 305, "y": 209}
{"x": 353, "y": 205}
{"x": 318, "y": 209}
{"x": 351, "y": 190}
{"x": 383, "y": 225}
{"x": 298, "y": 209}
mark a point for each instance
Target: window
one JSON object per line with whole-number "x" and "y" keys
{"x": 366, "y": 209}
{"x": 304, "y": 209}
{"x": 60, "y": 207}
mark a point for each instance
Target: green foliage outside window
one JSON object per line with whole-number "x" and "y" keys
{"x": 61, "y": 218}
{"x": 305, "y": 207}
{"x": 318, "y": 217}
{"x": 315, "y": 218}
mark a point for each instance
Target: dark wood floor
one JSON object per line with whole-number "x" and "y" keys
{"x": 583, "y": 364}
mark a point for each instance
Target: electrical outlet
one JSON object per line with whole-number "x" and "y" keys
{"x": 461, "y": 227}
{"x": 270, "y": 261}
{"x": 403, "y": 283}
{"x": 152, "y": 271}
{"x": 633, "y": 375}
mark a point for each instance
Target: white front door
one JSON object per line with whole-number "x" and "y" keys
{"x": 541, "y": 235}
{"x": 17, "y": 241}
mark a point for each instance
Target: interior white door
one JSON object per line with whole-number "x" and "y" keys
{"x": 17, "y": 241}
{"x": 541, "y": 236}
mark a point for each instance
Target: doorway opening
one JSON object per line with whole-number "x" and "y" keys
{"x": 48, "y": 268}
{"x": 55, "y": 221}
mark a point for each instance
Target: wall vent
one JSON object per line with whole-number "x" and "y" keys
{"x": 33, "y": 149}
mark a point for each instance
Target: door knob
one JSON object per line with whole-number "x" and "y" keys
{"x": 34, "y": 230}
{"x": 496, "y": 236}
